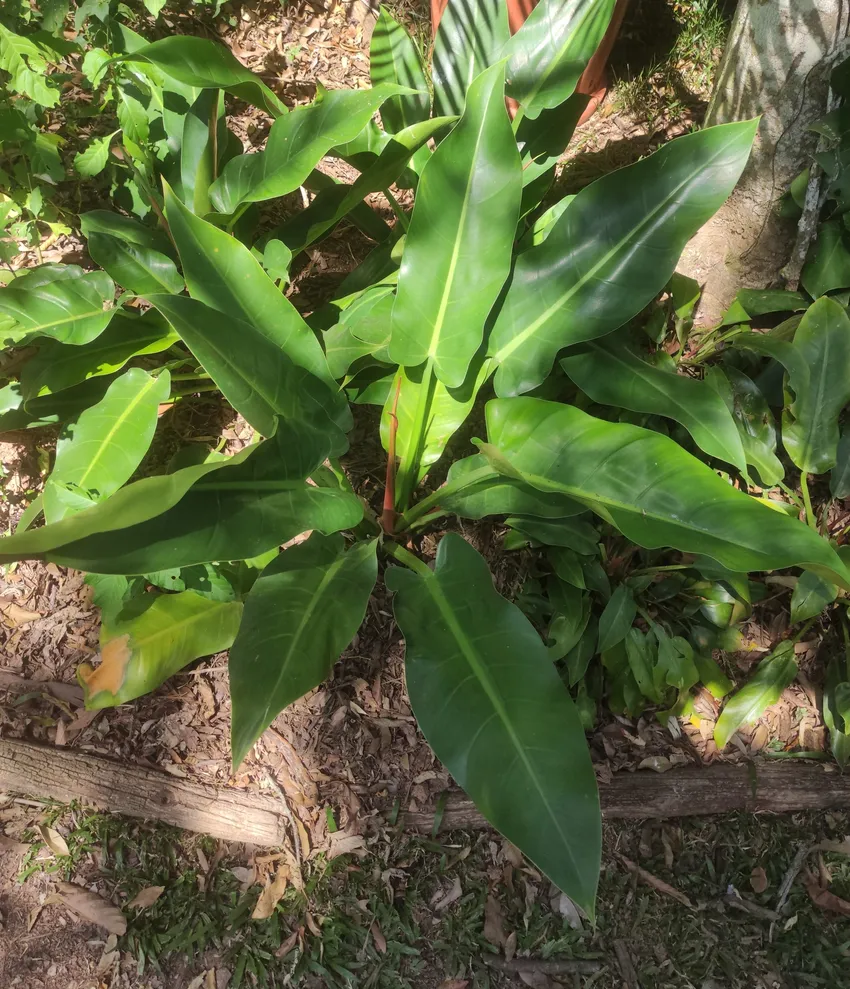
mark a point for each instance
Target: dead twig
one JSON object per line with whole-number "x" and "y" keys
{"x": 626, "y": 965}
{"x": 565, "y": 966}
{"x": 657, "y": 884}
{"x": 739, "y": 902}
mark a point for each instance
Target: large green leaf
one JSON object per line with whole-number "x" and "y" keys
{"x": 773, "y": 674}
{"x": 301, "y": 613}
{"x": 102, "y": 450}
{"x": 140, "y": 653}
{"x": 811, "y": 595}
{"x": 203, "y": 141}
{"x": 810, "y": 422}
{"x": 67, "y": 304}
{"x": 204, "y": 64}
{"x": 616, "y": 620}
{"x": 256, "y": 377}
{"x": 498, "y": 716}
{"x": 473, "y": 489}
{"x": 394, "y": 58}
{"x": 470, "y": 39}
{"x": 818, "y": 366}
{"x": 651, "y": 489}
{"x": 550, "y": 51}
{"x": 612, "y": 374}
{"x": 57, "y": 366}
{"x": 135, "y": 256}
{"x": 296, "y": 144}
{"x": 461, "y": 234}
{"x": 233, "y": 510}
{"x": 753, "y": 419}
{"x": 836, "y": 707}
{"x": 336, "y": 201}
{"x": 222, "y": 273}
{"x": 612, "y": 251}
{"x": 828, "y": 265}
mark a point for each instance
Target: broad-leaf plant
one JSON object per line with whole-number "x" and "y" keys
{"x": 494, "y": 293}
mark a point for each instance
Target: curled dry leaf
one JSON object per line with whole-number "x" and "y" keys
{"x": 289, "y": 943}
{"x": 758, "y": 880}
{"x": 379, "y": 939}
{"x": 146, "y": 897}
{"x": 93, "y": 908}
{"x": 824, "y": 900}
{"x": 54, "y": 841}
{"x": 444, "y": 902}
{"x": 271, "y": 894}
{"x": 494, "y": 922}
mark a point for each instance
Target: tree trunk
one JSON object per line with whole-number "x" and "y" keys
{"x": 776, "y": 63}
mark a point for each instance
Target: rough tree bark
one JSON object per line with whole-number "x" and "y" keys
{"x": 776, "y": 63}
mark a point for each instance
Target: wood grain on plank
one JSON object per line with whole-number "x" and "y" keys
{"x": 238, "y": 815}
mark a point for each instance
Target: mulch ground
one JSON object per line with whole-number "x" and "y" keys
{"x": 352, "y": 745}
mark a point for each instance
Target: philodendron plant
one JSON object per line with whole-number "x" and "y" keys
{"x": 471, "y": 297}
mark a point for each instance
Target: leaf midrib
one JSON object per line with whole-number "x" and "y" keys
{"x": 467, "y": 649}
{"x": 520, "y": 338}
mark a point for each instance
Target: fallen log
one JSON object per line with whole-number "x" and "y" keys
{"x": 66, "y": 774}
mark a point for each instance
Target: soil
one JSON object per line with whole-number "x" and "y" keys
{"x": 351, "y": 748}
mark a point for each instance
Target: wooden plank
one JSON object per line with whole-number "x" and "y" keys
{"x": 237, "y": 815}
{"x": 67, "y": 774}
{"x": 691, "y": 791}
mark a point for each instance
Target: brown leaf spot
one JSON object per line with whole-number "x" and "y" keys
{"x": 112, "y": 672}
{"x": 758, "y": 880}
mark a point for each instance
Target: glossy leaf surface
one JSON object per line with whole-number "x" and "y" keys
{"x": 550, "y": 51}
{"x": 498, "y": 716}
{"x": 200, "y": 149}
{"x": 753, "y": 420}
{"x": 611, "y": 374}
{"x": 231, "y": 510}
{"x": 204, "y": 64}
{"x": 222, "y": 273}
{"x": 839, "y": 478}
{"x": 811, "y": 595}
{"x": 394, "y": 58}
{"x": 58, "y": 366}
{"x": 612, "y": 251}
{"x": 617, "y": 618}
{"x": 827, "y": 267}
{"x": 461, "y": 233}
{"x": 139, "y": 654}
{"x": 773, "y": 674}
{"x": 134, "y": 255}
{"x": 304, "y": 609}
{"x": 474, "y": 489}
{"x": 651, "y": 489}
{"x": 257, "y": 378}
{"x": 102, "y": 450}
{"x": 67, "y": 305}
{"x": 296, "y": 144}
{"x": 469, "y": 40}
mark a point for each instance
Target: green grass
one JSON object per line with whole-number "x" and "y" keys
{"x": 670, "y": 85}
{"x": 395, "y": 885}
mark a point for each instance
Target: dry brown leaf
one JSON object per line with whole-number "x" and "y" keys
{"x": 93, "y": 908}
{"x": 494, "y": 922}
{"x": 111, "y": 673}
{"x": 454, "y": 984}
{"x": 510, "y": 946}
{"x": 343, "y": 843}
{"x": 842, "y": 847}
{"x": 271, "y": 894}
{"x": 14, "y": 615}
{"x": 379, "y": 939}
{"x": 444, "y": 902}
{"x": 146, "y": 897}
{"x": 54, "y": 841}
{"x": 758, "y": 880}
{"x": 289, "y": 943}
{"x": 32, "y": 916}
{"x": 824, "y": 900}
{"x": 312, "y": 926}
